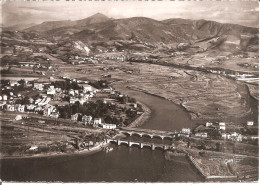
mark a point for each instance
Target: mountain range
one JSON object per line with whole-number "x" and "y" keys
{"x": 198, "y": 33}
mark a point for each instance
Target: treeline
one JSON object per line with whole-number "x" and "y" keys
{"x": 66, "y": 85}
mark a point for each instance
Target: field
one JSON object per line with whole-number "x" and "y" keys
{"x": 205, "y": 96}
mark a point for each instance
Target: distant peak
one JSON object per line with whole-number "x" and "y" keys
{"x": 98, "y": 15}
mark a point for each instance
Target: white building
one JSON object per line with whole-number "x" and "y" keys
{"x": 10, "y": 108}
{"x": 48, "y": 110}
{"x": 250, "y": 123}
{"x": 20, "y": 108}
{"x": 185, "y": 130}
{"x": 97, "y": 121}
{"x": 222, "y": 126}
{"x": 109, "y": 126}
{"x": 51, "y": 90}
{"x": 74, "y": 117}
{"x": 38, "y": 86}
{"x": 86, "y": 119}
{"x": 4, "y": 97}
{"x": 201, "y": 134}
{"x": 208, "y": 124}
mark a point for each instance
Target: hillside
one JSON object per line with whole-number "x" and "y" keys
{"x": 200, "y": 35}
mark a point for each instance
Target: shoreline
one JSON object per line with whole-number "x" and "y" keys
{"x": 149, "y": 93}
{"x": 55, "y": 154}
{"x": 141, "y": 119}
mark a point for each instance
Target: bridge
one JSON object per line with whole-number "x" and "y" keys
{"x": 147, "y": 132}
{"x": 153, "y": 146}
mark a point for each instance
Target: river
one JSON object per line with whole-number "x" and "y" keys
{"x": 123, "y": 164}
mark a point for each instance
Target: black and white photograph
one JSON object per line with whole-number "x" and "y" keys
{"x": 129, "y": 91}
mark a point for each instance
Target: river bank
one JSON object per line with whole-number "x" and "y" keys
{"x": 141, "y": 119}
{"x": 193, "y": 115}
{"x": 90, "y": 151}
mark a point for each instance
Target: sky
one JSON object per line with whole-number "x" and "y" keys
{"x": 237, "y": 12}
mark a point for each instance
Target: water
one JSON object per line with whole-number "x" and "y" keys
{"x": 165, "y": 115}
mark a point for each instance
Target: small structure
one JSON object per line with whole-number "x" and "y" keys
{"x": 201, "y": 134}
{"x": 109, "y": 126}
{"x": 10, "y": 107}
{"x": 185, "y": 130}
{"x": 97, "y": 121}
{"x": 222, "y": 126}
{"x": 74, "y": 117}
{"x": 86, "y": 119}
{"x": 208, "y": 124}
{"x": 20, "y": 108}
{"x": 250, "y": 123}
{"x": 51, "y": 90}
{"x": 33, "y": 148}
{"x": 38, "y": 86}
{"x": 18, "y": 117}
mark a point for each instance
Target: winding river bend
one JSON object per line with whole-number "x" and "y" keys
{"x": 123, "y": 164}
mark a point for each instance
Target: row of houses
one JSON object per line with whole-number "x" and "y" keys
{"x": 87, "y": 120}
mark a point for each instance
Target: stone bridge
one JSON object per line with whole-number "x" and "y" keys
{"x": 147, "y": 132}
{"x": 153, "y": 146}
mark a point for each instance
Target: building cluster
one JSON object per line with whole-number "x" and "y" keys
{"x": 219, "y": 131}
{"x": 41, "y": 104}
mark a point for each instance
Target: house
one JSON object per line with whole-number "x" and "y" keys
{"x": 38, "y": 109}
{"x": 4, "y": 97}
{"x": 18, "y": 117}
{"x": 201, "y": 134}
{"x": 87, "y": 88}
{"x": 71, "y": 92}
{"x": 21, "y": 108}
{"x": 109, "y": 126}
{"x": 185, "y": 130}
{"x": 225, "y": 135}
{"x": 31, "y": 100}
{"x": 86, "y": 119}
{"x": 48, "y": 110}
{"x": 222, "y": 126}
{"x": 30, "y": 107}
{"x": 51, "y": 90}
{"x": 74, "y": 117}
{"x": 38, "y": 86}
{"x": 13, "y": 83}
{"x": 97, "y": 121}
{"x": 55, "y": 115}
{"x": 10, "y": 107}
{"x": 208, "y": 124}
{"x": 250, "y": 123}
{"x": 73, "y": 100}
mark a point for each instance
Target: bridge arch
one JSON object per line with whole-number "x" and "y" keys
{"x": 134, "y": 144}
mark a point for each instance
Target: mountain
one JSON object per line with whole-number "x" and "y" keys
{"x": 182, "y": 33}
{"x": 51, "y": 25}
{"x": 18, "y": 27}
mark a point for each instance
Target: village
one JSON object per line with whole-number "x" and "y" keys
{"x": 65, "y": 102}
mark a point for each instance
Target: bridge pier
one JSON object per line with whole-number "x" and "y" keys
{"x": 153, "y": 147}
{"x": 141, "y": 145}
